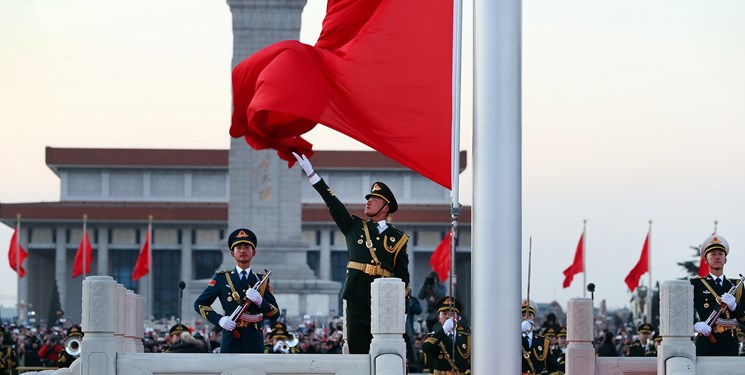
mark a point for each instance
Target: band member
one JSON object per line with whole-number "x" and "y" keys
{"x": 375, "y": 249}
{"x": 709, "y": 293}
{"x": 536, "y": 350}
{"x": 280, "y": 344}
{"x": 448, "y": 349}
{"x": 235, "y": 287}
{"x": 72, "y": 346}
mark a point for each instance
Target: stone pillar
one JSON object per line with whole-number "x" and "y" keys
{"x": 580, "y": 358}
{"x": 388, "y": 324}
{"x": 139, "y": 324}
{"x": 60, "y": 271}
{"x": 324, "y": 260}
{"x": 100, "y": 315}
{"x": 121, "y": 322}
{"x": 130, "y": 316}
{"x": 186, "y": 304}
{"x": 676, "y": 324}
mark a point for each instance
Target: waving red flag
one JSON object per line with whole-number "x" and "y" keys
{"x": 142, "y": 266}
{"x": 578, "y": 266}
{"x": 379, "y": 73}
{"x": 16, "y": 255}
{"x": 440, "y": 260}
{"x": 84, "y": 249}
{"x": 641, "y": 267}
{"x": 703, "y": 267}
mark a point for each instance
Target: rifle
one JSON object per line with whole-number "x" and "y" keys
{"x": 711, "y": 320}
{"x": 236, "y": 315}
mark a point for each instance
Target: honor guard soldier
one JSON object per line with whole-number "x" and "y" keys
{"x": 536, "y": 349}
{"x": 375, "y": 249}
{"x": 711, "y": 292}
{"x": 234, "y": 288}
{"x": 656, "y": 341}
{"x": 72, "y": 346}
{"x": 645, "y": 331}
{"x": 448, "y": 349}
{"x": 280, "y": 344}
{"x": 560, "y": 351}
{"x": 8, "y": 355}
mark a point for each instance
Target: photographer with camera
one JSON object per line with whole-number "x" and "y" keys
{"x": 431, "y": 291}
{"x": 50, "y": 351}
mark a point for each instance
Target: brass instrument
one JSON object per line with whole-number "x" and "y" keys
{"x": 290, "y": 343}
{"x": 72, "y": 347}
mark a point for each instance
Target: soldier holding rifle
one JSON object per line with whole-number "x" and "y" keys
{"x": 713, "y": 294}
{"x": 235, "y": 288}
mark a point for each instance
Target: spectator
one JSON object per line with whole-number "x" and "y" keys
{"x": 432, "y": 290}
{"x": 608, "y": 347}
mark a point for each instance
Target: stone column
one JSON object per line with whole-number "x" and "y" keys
{"x": 60, "y": 271}
{"x": 388, "y": 324}
{"x": 102, "y": 251}
{"x": 186, "y": 274}
{"x": 580, "y": 358}
{"x": 121, "y": 321}
{"x": 676, "y": 324}
{"x": 130, "y": 317}
{"x": 139, "y": 323}
{"x": 324, "y": 260}
{"x": 100, "y": 315}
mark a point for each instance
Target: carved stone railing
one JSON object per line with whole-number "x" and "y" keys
{"x": 113, "y": 327}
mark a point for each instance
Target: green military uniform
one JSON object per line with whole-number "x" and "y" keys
{"x": 65, "y": 359}
{"x": 8, "y": 356}
{"x": 443, "y": 357}
{"x": 371, "y": 255}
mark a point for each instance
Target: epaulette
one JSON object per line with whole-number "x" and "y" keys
{"x": 224, "y": 271}
{"x": 696, "y": 278}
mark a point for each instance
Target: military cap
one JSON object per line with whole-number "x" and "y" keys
{"x": 242, "y": 235}
{"x": 549, "y": 332}
{"x": 448, "y": 303}
{"x": 739, "y": 331}
{"x": 279, "y": 331}
{"x": 178, "y": 329}
{"x": 380, "y": 190}
{"x": 562, "y": 332}
{"x": 74, "y": 330}
{"x": 715, "y": 242}
{"x": 644, "y": 328}
{"x": 528, "y": 307}
{"x": 657, "y": 337}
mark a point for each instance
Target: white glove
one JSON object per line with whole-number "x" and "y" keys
{"x": 448, "y": 326}
{"x": 226, "y": 323}
{"x": 526, "y": 326}
{"x": 254, "y": 296}
{"x": 730, "y": 301}
{"x": 304, "y": 163}
{"x": 702, "y": 328}
{"x": 278, "y": 346}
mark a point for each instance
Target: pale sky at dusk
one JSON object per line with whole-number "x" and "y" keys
{"x": 632, "y": 111}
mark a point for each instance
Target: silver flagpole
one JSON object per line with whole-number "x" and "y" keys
{"x": 18, "y": 266}
{"x": 497, "y": 200}
{"x": 650, "y": 293}
{"x": 83, "y": 244}
{"x": 455, "y": 147}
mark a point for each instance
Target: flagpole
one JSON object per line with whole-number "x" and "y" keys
{"x": 649, "y": 271}
{"x": 18, "y": 264}
{"x": 83, "y": 242}
{"x": 455, "y": 146}
{"x": 150, "y": 262}
{"x": 584, "y": 263}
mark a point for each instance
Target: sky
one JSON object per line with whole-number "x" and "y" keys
{"x": 632, "y": 111}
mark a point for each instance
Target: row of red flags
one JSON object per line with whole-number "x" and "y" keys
{"x": 632, "y": 279}
{"x": 83, "y": 258}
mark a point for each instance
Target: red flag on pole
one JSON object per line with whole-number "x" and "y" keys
{"x": 381, "y": 73}
{"x": 641, "y": 267}
{"x": 703, "y": 268}
{"x": 440, "y": 260}
{"x": 16, "y": 255}
{"x": 84, "y": 249}
{"x": 142, "y": 266}
{"x": 578, "y": 266}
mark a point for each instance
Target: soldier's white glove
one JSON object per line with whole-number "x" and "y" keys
{"x": 702, "y": 328}
{"x": 254, "y": 296}
{"x": 226, "y": 323}
{"x": 526, "y": 326}
{"x": 448, "y": 326}
{"x": 307, "y": 167}
{"x": 730, "y": 301}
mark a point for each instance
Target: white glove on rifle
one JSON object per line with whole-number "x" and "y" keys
{"x": 448, "y": 326}
{"x": 278, "y": 346}
{"x": 730, "y": 301}
{"x": 526, "y": 326}
{"x": 254, "y": 296}
{"x": 307, "y": 167}
{"x": 226, "y": 323}
{"x": 702, "y": 328}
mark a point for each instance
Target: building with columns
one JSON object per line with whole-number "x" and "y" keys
{"x": 188, "y": 193}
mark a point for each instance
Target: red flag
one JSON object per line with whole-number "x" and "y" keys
{"x": 641, "y": 267}
{"x": 578, "y": 266}
{"x": 17, "y": 251}
{"x": 703, "y": 268}
{"x": 83, "y": 248}
{"x": 142, "y": 266}
{"x": 379, "y": 73}
{"x": 440, "y": 260}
